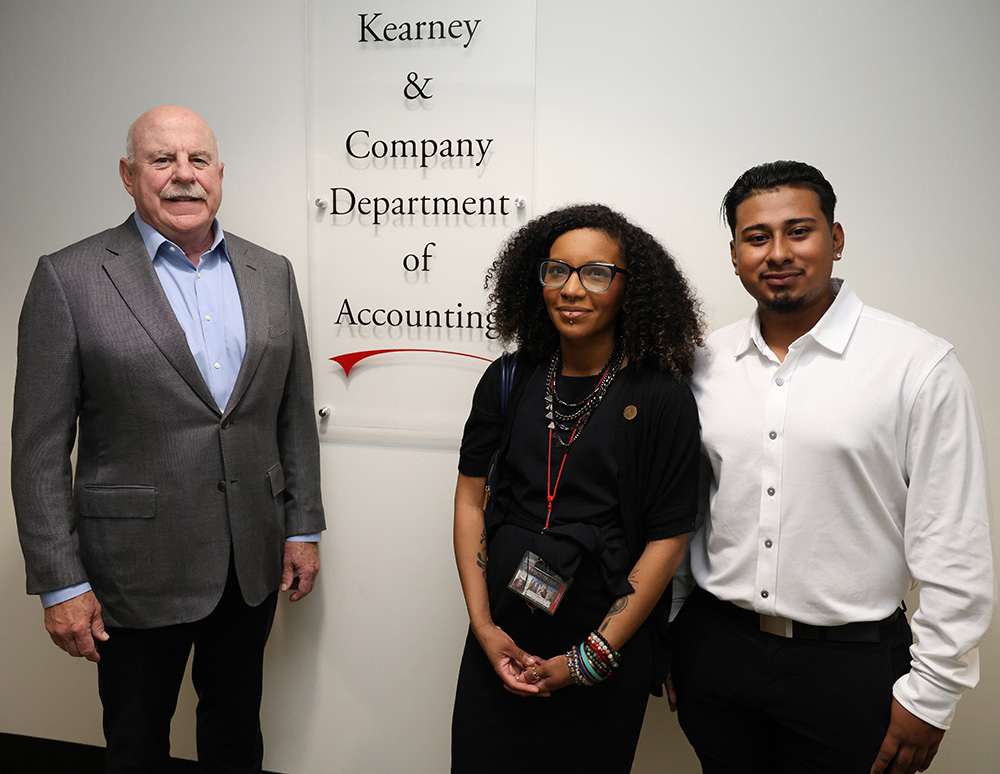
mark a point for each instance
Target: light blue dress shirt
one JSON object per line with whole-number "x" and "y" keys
{"x": 207, "y": 305}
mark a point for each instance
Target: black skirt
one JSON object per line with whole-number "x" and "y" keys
{"x": 576, "y": 729}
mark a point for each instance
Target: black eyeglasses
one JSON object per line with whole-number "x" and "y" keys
{"x": 595, "y": 277}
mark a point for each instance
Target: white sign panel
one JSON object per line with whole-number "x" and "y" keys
{"x": 421, "y": 126}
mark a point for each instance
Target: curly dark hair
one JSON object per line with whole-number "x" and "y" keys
{"x": 661, "y": 323}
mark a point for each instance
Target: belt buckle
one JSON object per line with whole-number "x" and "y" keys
{"x": 776, "y": 625}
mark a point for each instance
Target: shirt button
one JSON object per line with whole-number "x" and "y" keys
{"x": 764, "y": 594}
{"x": 208, "y": 318}
{"x": 772, "y": 435}
{"x": 770, "y": 491}
{"x": 768, "y": 543}
{"x": 217, "y": 365}
{"x": 172, "y": 249}
{"x": 198, "y": 275}
{"x": 779, "y": 381}
{"x": 222, "y": 486}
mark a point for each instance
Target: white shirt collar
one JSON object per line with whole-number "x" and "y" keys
{"x": 832, "y": 332}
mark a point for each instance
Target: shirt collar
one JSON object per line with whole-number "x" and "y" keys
{"x": 832, "y": 332}
{"x": 154, "y": 240}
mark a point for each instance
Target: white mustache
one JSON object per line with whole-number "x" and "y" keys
{"x": 183, "y": 191}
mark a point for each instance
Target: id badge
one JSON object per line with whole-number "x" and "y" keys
{"x": 541, "y": 587}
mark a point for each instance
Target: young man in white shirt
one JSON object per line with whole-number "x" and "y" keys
{"x": 844, "y": 461}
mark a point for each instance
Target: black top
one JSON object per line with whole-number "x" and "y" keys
{"x": 645, "y": 458}
{"x": 587, "y": 491}
{"x": 586, "y": 518}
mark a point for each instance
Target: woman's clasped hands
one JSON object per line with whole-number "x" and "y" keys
{"x": 522, "y": 673}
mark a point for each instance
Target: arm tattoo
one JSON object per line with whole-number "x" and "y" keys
{"x": 620, "y": 604}
{"x": 481, "y": 556}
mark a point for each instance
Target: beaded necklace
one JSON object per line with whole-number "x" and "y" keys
{"x": 565, "y": 417}
{"x": 572, "y": 417}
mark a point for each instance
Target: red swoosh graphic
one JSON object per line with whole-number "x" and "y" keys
{"x": 351, "y": 359}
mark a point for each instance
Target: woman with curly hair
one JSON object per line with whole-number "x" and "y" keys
{"x": 596, "y": 444}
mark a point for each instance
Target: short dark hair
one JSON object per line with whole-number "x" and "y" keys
{"x": 661, "y": 324}
{"x": 774, "y": 174}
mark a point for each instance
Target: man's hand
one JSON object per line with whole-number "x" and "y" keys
{"x": 910, "y": 744}
{"x": 671, "y": 693}
{"x": 301, "y": 564}
{"x": 74, "y": 624}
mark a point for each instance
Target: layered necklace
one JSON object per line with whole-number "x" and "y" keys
{"x": 567, "y": 420}
{"x": 570, "y": 418}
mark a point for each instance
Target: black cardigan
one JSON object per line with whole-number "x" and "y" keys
{"x": 656, "y": 449}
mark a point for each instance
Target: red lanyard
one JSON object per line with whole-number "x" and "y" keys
{"x": 550, "y": 491}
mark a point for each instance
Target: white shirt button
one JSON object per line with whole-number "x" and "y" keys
{"x": 208, "y": 318}
{"x": 217, "y": 365}
{"x": 779, "y": 381}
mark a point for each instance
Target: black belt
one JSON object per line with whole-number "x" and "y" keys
{"x": 859, "y": 631}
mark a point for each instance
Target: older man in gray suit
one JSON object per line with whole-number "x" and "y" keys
{"x": 177, "y": 352}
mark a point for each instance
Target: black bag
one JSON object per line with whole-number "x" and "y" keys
{"x": 508, "y": 366}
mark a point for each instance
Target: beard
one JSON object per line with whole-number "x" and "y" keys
{"x": 784, "y": 303}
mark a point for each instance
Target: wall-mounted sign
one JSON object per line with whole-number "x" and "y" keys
{"x": 421, "y": 124}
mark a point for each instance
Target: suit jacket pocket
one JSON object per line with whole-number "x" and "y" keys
{"x": 117, "y": 502}
{"x": 279, "y": 327}
{"x": 276, "y": 475}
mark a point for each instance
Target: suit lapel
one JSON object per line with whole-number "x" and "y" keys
{"x": 130, "y": 270}
{"x": 250, "y": 284}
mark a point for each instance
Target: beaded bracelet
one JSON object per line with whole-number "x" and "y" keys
{"x": 593, "y": 660}
{"x": 599, "y": 657}
{"x": 603, "y": 648}
{"x": 594, "y": 670}
{"x": 573, "y": 660}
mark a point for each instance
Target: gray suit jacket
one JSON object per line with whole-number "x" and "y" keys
{"x": 165, "y": 483}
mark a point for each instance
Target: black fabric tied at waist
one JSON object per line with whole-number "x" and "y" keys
{"x": 562, "y": 548}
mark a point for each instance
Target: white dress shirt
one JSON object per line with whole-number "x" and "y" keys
{"x": 840, "y": 478}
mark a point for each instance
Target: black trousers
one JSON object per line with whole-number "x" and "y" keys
{"x": 749, "y": 701}
{"x": 140, "y": 674}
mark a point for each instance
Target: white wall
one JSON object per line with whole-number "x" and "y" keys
{"x": 653, "y": 108}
